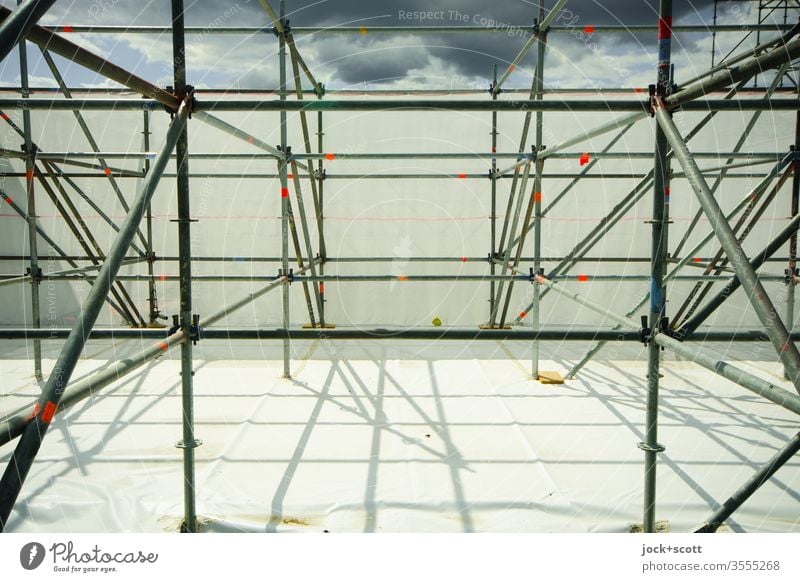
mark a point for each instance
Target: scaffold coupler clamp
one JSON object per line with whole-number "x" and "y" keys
{"x": 193, "y": 445}
{"x": 287, "y": 29}
{"x": 176, "y": 325}
{"x": 532, "y": 276}
{"x": 169, "y": 89}
{"x": 665, "y": 328}
{"x": 795, "y": 152}
{"x": 190, "y": 99}
{"x": 645, "y": 333}
{"x": 286, "y": 153}
{"x": 194, "y": 329}
{"x": 289, "y": 276}
{"x": 492, "y": 89}
{"x": 319, "y": 90}
{"x": 35, "y": 274}
{"x": 34, "y": 150}
{"x": 651, "y": 92}
{"x": 789, "y": 276}
{"x": 654, "y": 448}
{"x": 320, "y": 176}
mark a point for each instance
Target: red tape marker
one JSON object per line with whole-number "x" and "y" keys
{"x": 588, "y": 29}
{"x": 163, "y": 346}
{"x": 583, "y": 278}
{"x": 4, "y": 116}
{"x": 537, "y": 197}
{"x": 522, "y": 314}
{"x": 665, "y": 27}
{"x": 67, "y": 29}
{"x": 464, "y": 259}
{"x": 330, "y": 156}
{"x": 284, "y": 192}
{"x": 697, "y": 260}
{"x": 584, "y": 159}
{"x": 8, "y": 200}
{"x": 322, "y": 288}
{"x": 107, "y": 171}
{"x": 49, "y": 412}
{"x": 462, "y": 176}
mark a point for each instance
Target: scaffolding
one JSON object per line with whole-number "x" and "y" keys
{"x": 301, "y": 215}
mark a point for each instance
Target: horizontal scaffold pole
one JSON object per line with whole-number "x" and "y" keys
{"x": 421, "y": 333}
{"x": 488, "y": 27}
{"x": 255, "y": 105}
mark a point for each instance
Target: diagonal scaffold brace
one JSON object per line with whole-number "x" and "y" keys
{"x": 757, "y": 295}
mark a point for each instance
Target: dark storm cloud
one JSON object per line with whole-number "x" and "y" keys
{"x": 474, "y": 54}
{"x": 365, "y": 58}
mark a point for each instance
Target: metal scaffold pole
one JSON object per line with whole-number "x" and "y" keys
{"x": 30, "y": 163}
{"x": 794, "y": 209}
{"x": 154, "y": 314}
{"x": 493, "y": 213}
{"x": 541, "y": 46}
{"x": 283, "y": 172}
{"x": 323, "y": 253}
{"x": 187, "y": 321}
{"x": 651, "y": 446}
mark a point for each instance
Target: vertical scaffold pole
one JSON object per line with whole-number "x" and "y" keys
{"x": 541, "y": 45}
{"x": 30, "y": 160}
{"x": 650, "y": 446}
{"x": 321, "y": 217}
{"x": 187, "y": 322}
{"x": 794, "y": 208}
{"x": 152, "y": 294}
{"x": 284, "y": 179}
{"x": 493, "y": 217}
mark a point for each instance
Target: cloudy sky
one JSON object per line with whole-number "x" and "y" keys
{"x": 379, "y": 61}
